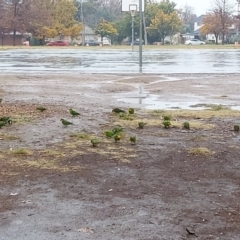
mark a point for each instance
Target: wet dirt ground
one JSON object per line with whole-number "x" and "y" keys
{"x": 55, "y": 185}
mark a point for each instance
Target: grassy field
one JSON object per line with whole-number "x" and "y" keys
{"x": 124, "y": 47}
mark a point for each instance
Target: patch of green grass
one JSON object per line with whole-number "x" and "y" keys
{"x": 198, "y": 138}
{"x": 8, "y": 137}
{"x": 80, "y": 136}
{"x": 214, "y": 107}
{"x": 200, "y": 151}
{"x": 22, "y": 151}
{"x": 22, "y": 119}
{"x": 196, "y": 114}
{"x": 125, "y": 116}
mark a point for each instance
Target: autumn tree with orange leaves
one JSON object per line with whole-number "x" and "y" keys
{"x": 211, "y": 25}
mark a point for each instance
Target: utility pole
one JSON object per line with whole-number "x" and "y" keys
{"x": 140, "y": 36}
{"x": 238, "y": 17}
{"x": 83, "y": 25}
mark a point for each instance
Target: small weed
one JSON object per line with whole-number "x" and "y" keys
{"x": 200, "y": 151}
{"x": 214, "y": 107}
{"x": 22, "y": 151}
{"x": 166, "y": 124}
{"x": 125, "y": 116}
{"x": 79, "y": 136}
{"x": 186, "y": 125}
{"x": 236, "y": 128}
{"x": 8, "y": 137}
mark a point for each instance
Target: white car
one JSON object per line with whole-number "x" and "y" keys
{"x": 194, "y": 42}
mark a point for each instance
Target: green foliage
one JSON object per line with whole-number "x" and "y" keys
{"x": 105, "y": 29}
{"x": 164, "y": 24}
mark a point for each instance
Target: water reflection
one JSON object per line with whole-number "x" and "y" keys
{"x": 120, "y": 61}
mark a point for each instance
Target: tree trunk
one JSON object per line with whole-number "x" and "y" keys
{"x": 14, "y": 37}
{"x": 216, "y": 37}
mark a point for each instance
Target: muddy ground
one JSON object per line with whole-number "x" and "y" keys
{"x": 55, "y": 185}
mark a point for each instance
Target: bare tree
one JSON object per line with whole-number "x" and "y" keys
{"x": 223, "y": 10}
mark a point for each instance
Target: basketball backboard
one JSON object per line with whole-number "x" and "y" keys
{"x": 128, "y": 5}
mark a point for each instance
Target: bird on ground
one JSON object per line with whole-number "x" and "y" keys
{"x": 118, "y": 110}
{"x": 131, "y": 110}
{"x": 141, "y": 125}
{"x": 73, "y": 113}
{"x": 133, "y": 139}
{"x": 117, "y": 129}
{"x": 65, "y": 122}
{"x": 2, "y": 124}
{"x": 109, "y": 134}
{"x": 94, "y": 142}
{"x": 41, "y": 109}
{"x": 6, "y": 120}
{"x": 117, "y": 138}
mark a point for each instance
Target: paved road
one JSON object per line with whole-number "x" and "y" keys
{"x": 120, "y": 61}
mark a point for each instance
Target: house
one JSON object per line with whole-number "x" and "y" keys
{"x": 6, "y": 39}
{"x": 211, "y": 37}
{"x": 87, "y": 33}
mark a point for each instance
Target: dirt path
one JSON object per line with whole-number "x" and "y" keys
{"x": 55, "y": 185}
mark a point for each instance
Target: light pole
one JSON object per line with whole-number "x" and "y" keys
{"x": 83, "y": 25}
{"x": 238, "y": 4}
{"x": 140, "y": 36}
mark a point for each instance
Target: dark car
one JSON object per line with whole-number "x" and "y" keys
{"x": 91, "y": 43}
{"x": 134, "y": 43}
{"x": 57, "y": 43}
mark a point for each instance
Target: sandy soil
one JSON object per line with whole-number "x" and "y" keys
{"x": 55, "y": 185}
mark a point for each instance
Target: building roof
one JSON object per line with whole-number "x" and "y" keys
{"x": 200, "y": 18}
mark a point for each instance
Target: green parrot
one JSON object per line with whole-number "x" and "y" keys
{"x": 109, "y": 134}
{"x": 0, "y": 100}
{"x": 117, "y": 138}
{"x": 141, "y": 124}
{"x": 94, "y": 142}
{"x": 117, "y": 130}
{"x": 2, "y": 124}
{"x": 131, "y": 110}
{"x": 73, "y": 113}
{"x": 133, "y": 139}
{"x": 41, "y": 109}
{"x": 6, "y": 120}
{"x": 65, "y": 122}
{"x": 118, "y": 110}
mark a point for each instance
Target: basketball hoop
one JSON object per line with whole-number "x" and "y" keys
{"x": 132, "y": 9}
{"x": 133, "y": 12}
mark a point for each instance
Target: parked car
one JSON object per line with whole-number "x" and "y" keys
{"x": 194, "y": 42}
{"x": 57, "y": 43}
{"x": 91, "y": 42}
{"x": 136, "y": 42}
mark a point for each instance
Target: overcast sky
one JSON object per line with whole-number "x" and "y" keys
{"x": 200, "y": 6}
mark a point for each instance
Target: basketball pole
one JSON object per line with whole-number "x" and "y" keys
{"x": 132, "y": 32}
{"x": 140, "y": 36}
